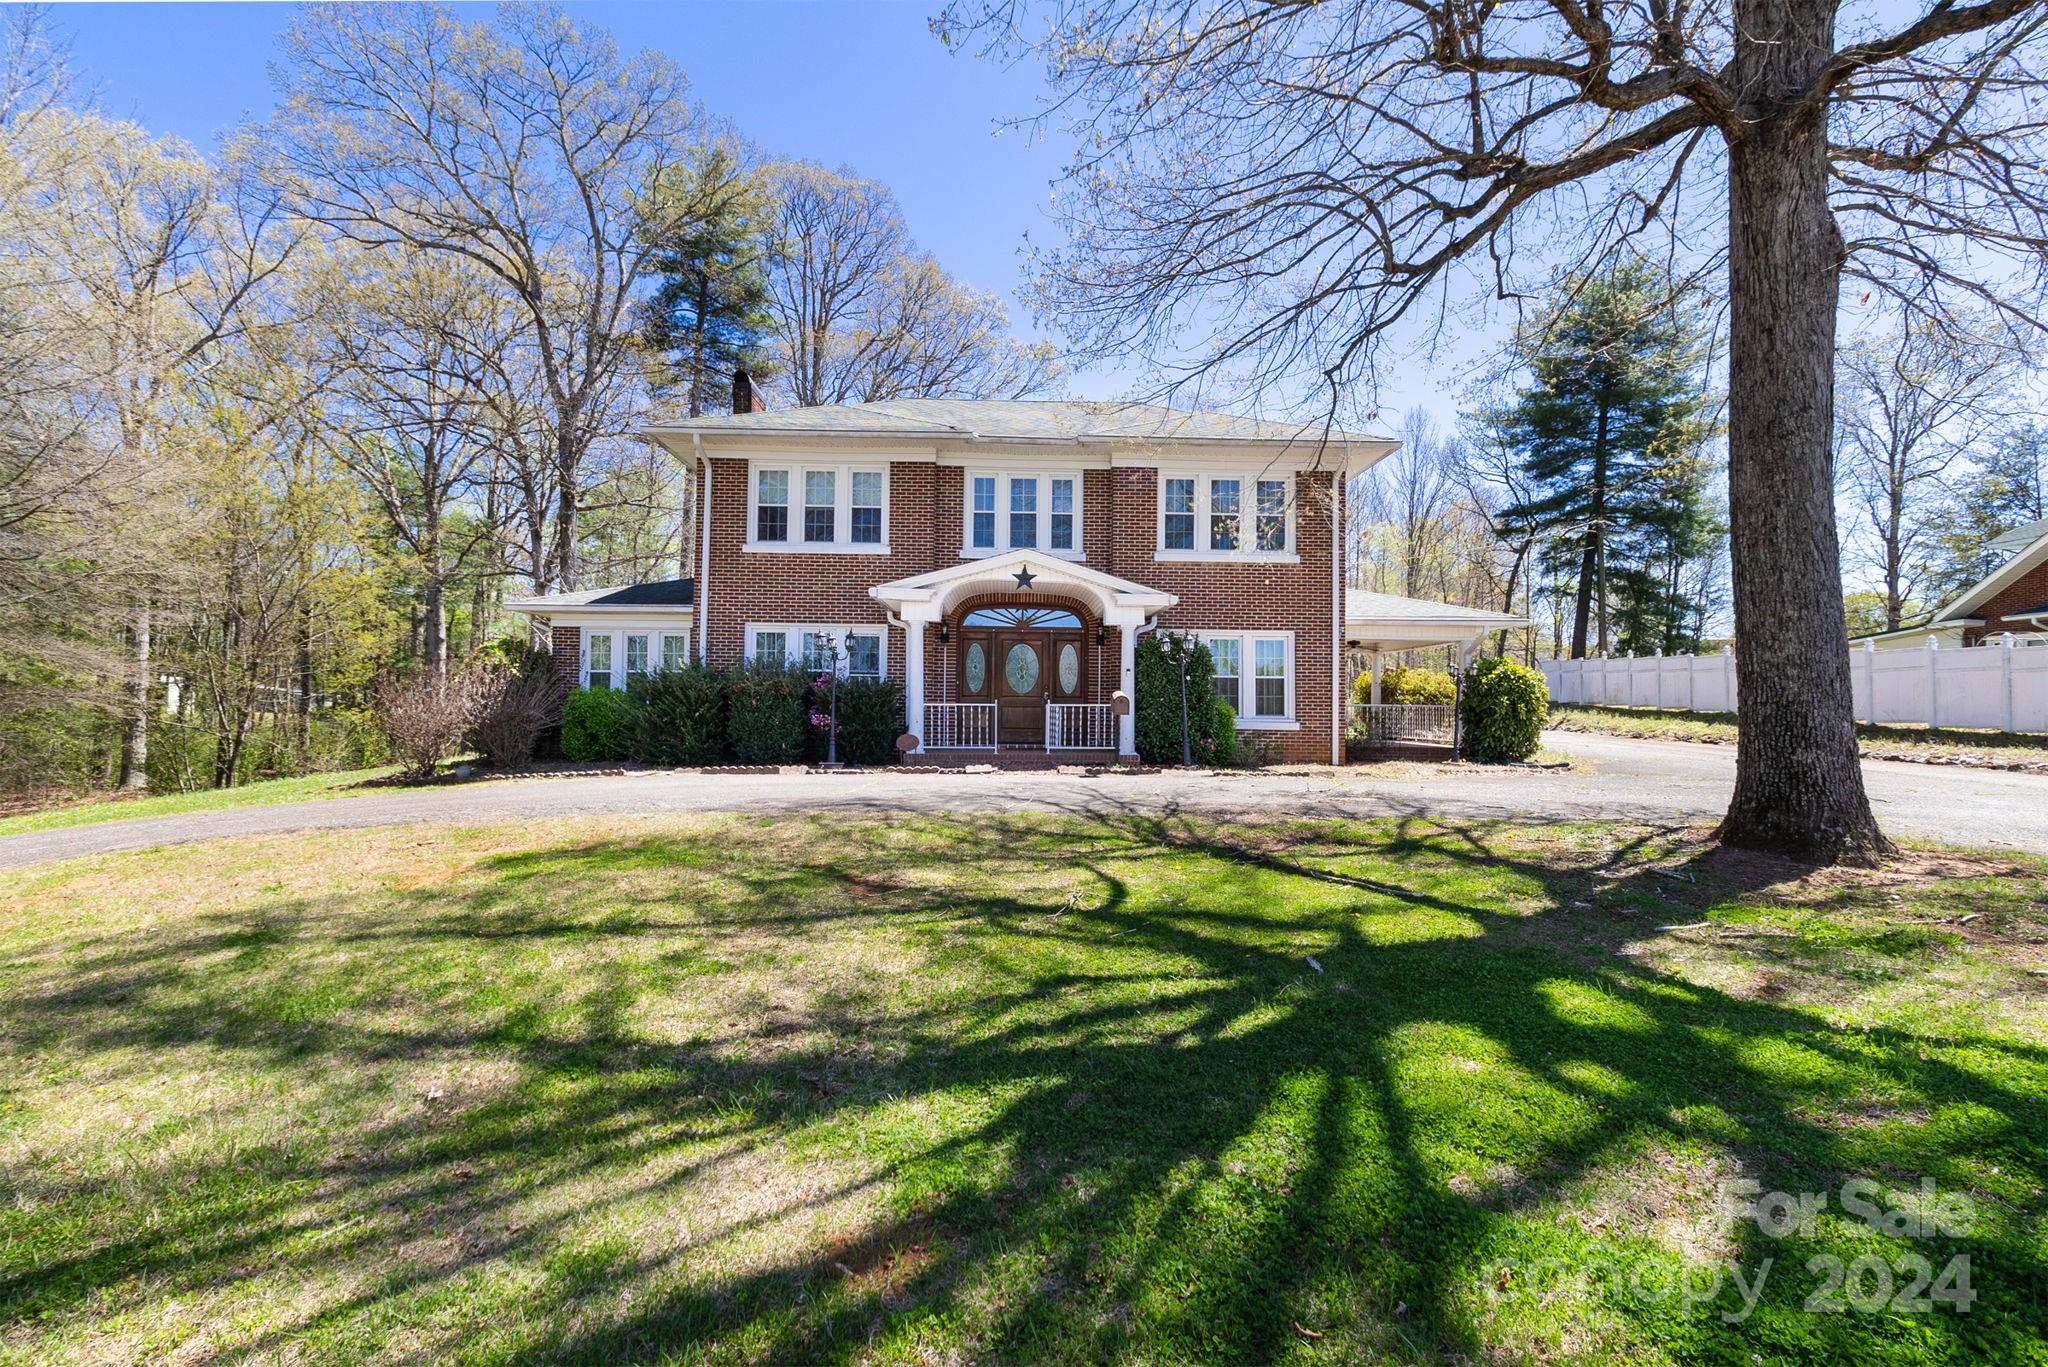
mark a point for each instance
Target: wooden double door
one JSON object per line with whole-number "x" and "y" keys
{"x": 1020, "y": 671}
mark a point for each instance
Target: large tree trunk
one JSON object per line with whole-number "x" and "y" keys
{"x": 135, "y": 735}
{"x": 566, "y": 463}
{"x": 1798, "y": 787}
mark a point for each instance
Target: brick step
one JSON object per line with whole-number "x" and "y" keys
{"x": 1013, "y": 759}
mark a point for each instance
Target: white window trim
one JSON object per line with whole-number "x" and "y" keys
{"x": 1247, "y": 673}
{"x": 842, "y": 508}
{"x": 655, "y": 632}
{"x": 793, "y": 644}
{"x": 1002, "y": 477}
{"x": 1247, "y": 516}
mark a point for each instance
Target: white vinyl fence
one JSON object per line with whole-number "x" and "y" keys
{"x": 2002, "y": 686}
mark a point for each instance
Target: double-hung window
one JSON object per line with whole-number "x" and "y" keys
{"x": 1212, "y": 515}
{"x": 1023, "y": 512}
{"x": 982, "y": 516}
{"x": 1223, "y": 514}
{"x": 1178, "y": 501}
{"x": 771, "y": 505}
{"x": 821, "y": 505}
{"x": 1271, "y": 533}
{"x": 675, "y": 650}
{"x": 1013, "y": 511}
{"x": 866, "y": 522}
{"x": 1254, "y": 673}
{"x": 1062, "y": 527}
{"x": 842, "y": 507}
{"x": 1225, "y": 653}
{"x": 1269, "y": 677}
{"x": 597, "y": 659}
{"x": 636, "y": 656}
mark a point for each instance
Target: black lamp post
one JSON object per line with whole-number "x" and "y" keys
{"x": 832, "y": 736}
{"x": 1187, "y": 754}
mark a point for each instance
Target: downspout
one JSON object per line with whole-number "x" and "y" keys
{"x": 703, "y": 594}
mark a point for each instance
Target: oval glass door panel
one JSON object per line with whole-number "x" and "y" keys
{"x": 1070, "y": 667}
{"x": 1020, "y": 668}
{"x": 974, "y": 669}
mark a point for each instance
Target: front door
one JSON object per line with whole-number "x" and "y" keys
{"x": 1020, "y": 680}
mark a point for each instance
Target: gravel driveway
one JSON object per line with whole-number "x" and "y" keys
{"x": 1613, "y": 779}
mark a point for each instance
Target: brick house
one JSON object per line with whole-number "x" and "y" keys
{"x": 1002, "y": 559}
{"x": 2012, "y": 598}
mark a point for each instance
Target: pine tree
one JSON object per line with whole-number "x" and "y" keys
{"x": 707, "y": 316}
{"x": 1610, "y": 431}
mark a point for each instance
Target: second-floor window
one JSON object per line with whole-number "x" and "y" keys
{"x": 1204, "y": 516}
{"x": 1009, "y": 512}
{"x": 801, "y": 507}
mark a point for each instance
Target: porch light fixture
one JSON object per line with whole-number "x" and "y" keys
{"x": 945, "y": 633}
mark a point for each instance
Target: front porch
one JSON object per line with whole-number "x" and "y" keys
{"x": 1020, "y": 655}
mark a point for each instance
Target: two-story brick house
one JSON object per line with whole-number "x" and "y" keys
{"x": 1002, "y": 560}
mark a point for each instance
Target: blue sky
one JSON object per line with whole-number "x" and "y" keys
{"x": 857, "y": 82}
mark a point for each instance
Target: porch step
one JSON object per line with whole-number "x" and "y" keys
{"x": 1013, "y": 759}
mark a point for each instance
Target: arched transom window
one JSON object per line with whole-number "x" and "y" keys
{"x": 1037, "y": 619}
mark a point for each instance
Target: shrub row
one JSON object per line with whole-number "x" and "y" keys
{"x": 1211, "y": 722}
{"x": 752, "y": 715}
{"x": 1408, "y": 684}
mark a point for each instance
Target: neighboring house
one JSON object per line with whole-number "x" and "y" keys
{"x": 2012, "y": 598}
{"x": 1002, "y": 559}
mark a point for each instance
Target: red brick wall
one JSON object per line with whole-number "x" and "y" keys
{"x": 566, "y": 645}
{"x": 1119, "y": 535}
{"x": 2030, "y": 590}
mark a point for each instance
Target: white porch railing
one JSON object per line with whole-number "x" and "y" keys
{"x": 1080, "y": 726}
{"x": 960, "y": 726}
{"x": 1392, "y": 723}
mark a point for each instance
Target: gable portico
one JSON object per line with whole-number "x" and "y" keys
{"x": 935, "y": 604}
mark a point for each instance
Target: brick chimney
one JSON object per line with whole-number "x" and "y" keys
{"x": 744, "y": 400}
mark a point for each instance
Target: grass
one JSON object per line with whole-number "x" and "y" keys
{"x": 726, "y": 1090}
{"x": 1905, "y": 742}
{"x": 113, "y": 807}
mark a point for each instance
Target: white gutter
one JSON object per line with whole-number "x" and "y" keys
{"x": 1337, "y": 632}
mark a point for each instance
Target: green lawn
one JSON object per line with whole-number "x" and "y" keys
{"x": 1003, "y": 1090}
{"x": 1904, "y": 742}
{"x": 111, "y": 808}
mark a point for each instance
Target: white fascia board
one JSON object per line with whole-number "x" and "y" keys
{"x": 1991, "y": 583}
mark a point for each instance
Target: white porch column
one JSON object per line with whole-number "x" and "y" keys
{"x": 1127, "y": 672}
{"x": 1378, "y": 661}
{"x": 913, "y": 679}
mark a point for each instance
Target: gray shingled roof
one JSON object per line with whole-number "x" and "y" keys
{"x": 658, "y": 593}
{"x": 1014, "y": 420}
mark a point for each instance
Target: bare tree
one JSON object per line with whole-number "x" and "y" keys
{"x": 860, "y": 315}
{"x": 521, "y": 147}
{"x": 1914, "y": 402}
{"x": 404, "y": 333}
{"x": 1278, "y": 185}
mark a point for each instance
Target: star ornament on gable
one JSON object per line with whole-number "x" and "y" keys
{"x": 1024, "y": 577}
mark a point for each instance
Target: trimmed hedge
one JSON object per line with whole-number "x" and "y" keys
{"x": 1408, "y": 684}
{"x": 766, "y": 714}
{"x": 598, "y": 724}
{"x": 679, "y": 716}
{"x": 1223, "y": 742}
{"x": 1504, "y": 708}
{"x": 870, "y": 720}
{"x": 1159, "y": 659}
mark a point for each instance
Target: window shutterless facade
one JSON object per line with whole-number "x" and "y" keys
{"x": 615, "y": 656}
{"x": 838, "y": 507}
{"x": 1225, "y": 515}
{"x": 1254, "y": 673}
{"x": 861, "y": 650}
{"x": 1010, "y": 511}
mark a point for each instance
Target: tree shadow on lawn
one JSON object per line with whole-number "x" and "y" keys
{"x": 1113, "y": 1113}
